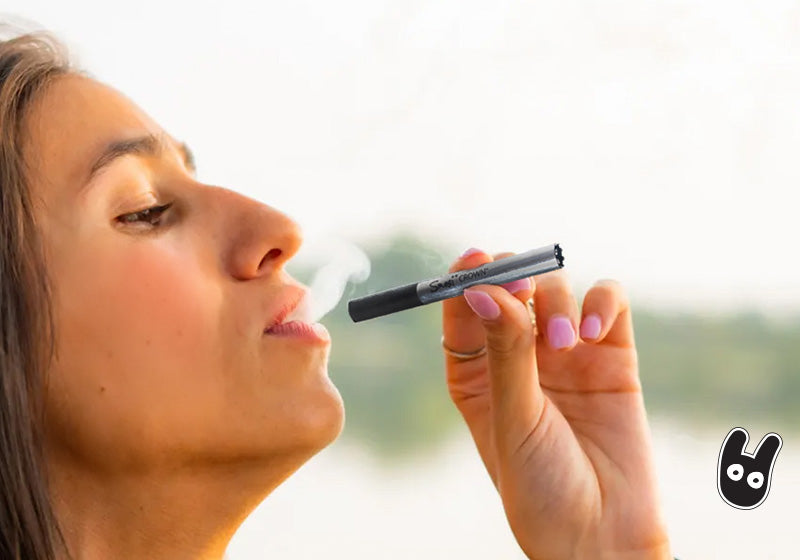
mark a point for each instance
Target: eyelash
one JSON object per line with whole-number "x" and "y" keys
{"x": 148, "y": 212}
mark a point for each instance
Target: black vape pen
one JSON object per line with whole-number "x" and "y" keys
{"x": 508, "y": 269}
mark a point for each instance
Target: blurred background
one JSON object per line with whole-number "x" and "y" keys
{"x": 656, "y": 141}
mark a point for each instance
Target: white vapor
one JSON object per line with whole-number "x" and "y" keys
{"x": 339, "y": 261}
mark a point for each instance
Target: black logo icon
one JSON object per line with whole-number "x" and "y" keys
{"x": 743, "y": 480}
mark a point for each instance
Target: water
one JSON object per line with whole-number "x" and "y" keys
{"x": 341, "y": 504}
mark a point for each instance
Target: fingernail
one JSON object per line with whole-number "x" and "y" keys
{"x": 470, "y": 251}
{"x": 590, "y": 327}
{"x": 482, "y": 304}
{"x": 560, "y": 332}
{"x": 517, "y": 285}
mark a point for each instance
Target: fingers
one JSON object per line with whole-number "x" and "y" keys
{"x": 468, "y": 381}
{"x": 516, "y": 398}
{"x": 503, "y": 405}
{"x": 462, "y": 329}
{"x": 605, "y": 317}
{"x": 607, "y": 301}
{"x": 556, "y": 310}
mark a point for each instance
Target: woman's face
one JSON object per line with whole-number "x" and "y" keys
{"x": 161, "y": 356}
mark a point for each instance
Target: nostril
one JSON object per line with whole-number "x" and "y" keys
{"x": 273, "y": 254}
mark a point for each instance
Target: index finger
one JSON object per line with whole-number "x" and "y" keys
{"x": 462, "y": 329}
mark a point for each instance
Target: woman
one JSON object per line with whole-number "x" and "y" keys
{"x": 146, "y": 410}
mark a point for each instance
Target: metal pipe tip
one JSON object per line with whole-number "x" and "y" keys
{"x": 559, "y": 256}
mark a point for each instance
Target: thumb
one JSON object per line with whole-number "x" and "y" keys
{"x": 517, "y": 399}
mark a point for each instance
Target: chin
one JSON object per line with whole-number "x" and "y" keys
{"x": 331, "y": 422}
{"x": 320, "y": 421}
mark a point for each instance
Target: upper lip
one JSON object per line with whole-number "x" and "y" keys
{"x": 288, "y": 301}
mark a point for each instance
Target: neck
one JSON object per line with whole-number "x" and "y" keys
{"x": 189, "y": 512}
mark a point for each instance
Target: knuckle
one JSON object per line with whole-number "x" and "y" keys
{"x": 559, "y": 292}
{"x": 500, "y": 345}
{"x": 504, "y": 344}
{"x": 511, "y": 336}
{"x": 555, "y": 281}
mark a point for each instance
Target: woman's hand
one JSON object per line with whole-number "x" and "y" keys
{"x": 562, "y": 432}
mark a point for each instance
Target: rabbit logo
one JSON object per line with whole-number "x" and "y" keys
{"x": 743, "y": 480}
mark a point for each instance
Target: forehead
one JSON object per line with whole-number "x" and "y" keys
{"x": 70, "y": 122}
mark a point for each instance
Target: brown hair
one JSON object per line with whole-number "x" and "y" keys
{"x": 28, "y": 526}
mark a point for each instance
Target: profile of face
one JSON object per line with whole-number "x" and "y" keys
{"x": 743, "y": 480}
{"x": 162, "y": 363}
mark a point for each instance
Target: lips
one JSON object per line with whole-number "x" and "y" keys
{"x": 289, "y": 301}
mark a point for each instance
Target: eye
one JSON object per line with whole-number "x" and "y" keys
{"x": 146, "y": 215}
{"x": 735, "y": 471}
{"x": 755, "y": 480}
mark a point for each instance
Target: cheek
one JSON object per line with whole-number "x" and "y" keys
{"x": 139, "y": 349}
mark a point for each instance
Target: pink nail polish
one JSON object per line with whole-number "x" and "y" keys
{"x": 590, "y": 327}
{"x": 518, "y": 285}
{"x": 482, "y": 304}
{"x": 559, "y": 332}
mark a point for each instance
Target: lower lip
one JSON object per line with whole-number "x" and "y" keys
{"x": 311, "y": 332}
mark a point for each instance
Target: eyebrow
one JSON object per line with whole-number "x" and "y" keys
{"x": 147, "y": 145}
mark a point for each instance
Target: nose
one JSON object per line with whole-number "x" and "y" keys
{"x": 258, "y": 238}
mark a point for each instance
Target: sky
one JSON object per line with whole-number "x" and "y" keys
{"x": 657, "y": 142}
